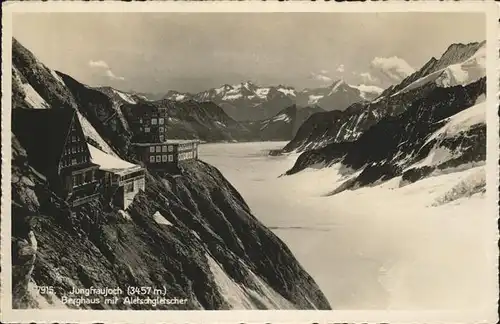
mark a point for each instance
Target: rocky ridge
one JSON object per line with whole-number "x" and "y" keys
{"x": 459, "y": 65}
{"x": 191, "y": 234}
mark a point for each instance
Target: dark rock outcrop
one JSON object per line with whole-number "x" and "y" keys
{"x": 390, "y": 147}
{"x": 335, "y": 126}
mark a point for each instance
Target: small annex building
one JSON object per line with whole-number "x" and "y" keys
{"x": 121, "y": 179}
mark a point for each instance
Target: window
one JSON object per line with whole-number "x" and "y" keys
{"x": 170, "y": 158}
{"x": 73, "y": 138}
{"x": 162, "y": 129}
{"x": 164, "y": 148}
{"x": 73, "y": 161}
{"x": 146, "y": 129}
{"x": 77, "y": 180}
{"x": 158, "y": 158}
{"x": 88, "y": 176}
{"x": 73, "y": 150}
{"x": 152, "y": 149}
{"x": 154, "y": 121}
{"x": 140, "y": 184}
{"x": 170, "y": 148}
{"x": 140, "y": 120}
{"x": 129, "y": 187}
{"x": 164, "y": 158}
{"x": 152, "y": 158}
{"x": 161, "y": 121}
{"x": 162, "y": 138}
{"x": 158, "y": 149}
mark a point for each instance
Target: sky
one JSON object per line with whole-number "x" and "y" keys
{"x": 191, "y": 52}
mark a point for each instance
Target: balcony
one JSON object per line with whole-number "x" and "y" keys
{"x": 83, "y": 200}
{"x": 84, "y": 193}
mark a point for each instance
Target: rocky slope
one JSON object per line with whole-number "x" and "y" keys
{"x": 459, "y": 65}
{"x": 442, "y": 132}
{"x": 191, "y": 234}
{"x": 250, "y": 102}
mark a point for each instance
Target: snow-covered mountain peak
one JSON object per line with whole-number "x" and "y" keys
{"x": 339, "y": 85}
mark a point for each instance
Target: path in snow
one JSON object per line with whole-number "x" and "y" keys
{"x": 373, "y": 248}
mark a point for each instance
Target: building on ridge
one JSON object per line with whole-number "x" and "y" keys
{"x": 150, "y": 139}
{"x": 55, "y": 145}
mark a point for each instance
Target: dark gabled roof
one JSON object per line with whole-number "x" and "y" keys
{"x": 42, "y": 132}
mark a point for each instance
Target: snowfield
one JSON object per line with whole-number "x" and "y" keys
{"x": 91, "y": 132}
{"x": 33, "y": 98}
{"x": 462, "y": 122}
{"x": 125, "y": 97}
{"x": 240, "y": 297}
{"x": 421, "y": 246}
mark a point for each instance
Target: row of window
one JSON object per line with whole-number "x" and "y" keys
{"x": 129, "y": 187}
{"x": 75, "y": 149}
{"x": 154, "y": 121}
{"x": 148, "y": 129}
{"x": 161, "y": 148}
{"x": 134, "y": 186}
{"x": 75, "y": 138}
{"x": 131, "y": 175}
{"x": 186, "y": 155}
{"x": 160, "y": 138}
{"x": 83, "y": 178}
{"x": 161, "y": 158}
{"x": 186, "y": 146}
{"x": 65, "y": 162}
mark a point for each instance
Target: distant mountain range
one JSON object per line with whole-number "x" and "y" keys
{"x": 250, "y": 102}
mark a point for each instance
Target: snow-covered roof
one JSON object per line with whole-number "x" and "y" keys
{"x": 109, "y": 162}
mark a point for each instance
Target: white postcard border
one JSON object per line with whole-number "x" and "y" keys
{"x": 279, "y": 316}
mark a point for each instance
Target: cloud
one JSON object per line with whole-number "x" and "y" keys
{"x": 341, "y": 68}
{"x": 395, "y": 68}
{"x": 101, "y": 65}
{"x": 322, "y": 77}
{"x": 368, "y": 78}
{"x": 112, "y": 76}
{"x": 98, "y": 64}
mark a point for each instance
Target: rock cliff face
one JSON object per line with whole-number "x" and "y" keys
{"x": 433, "y": 122}
{"x": 444, "y": 130}
{"x": 459, "y": 65}
{"x": 191, "y": 234}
